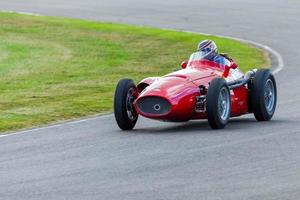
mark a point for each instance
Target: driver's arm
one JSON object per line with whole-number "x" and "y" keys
{"x": 233, "y": 63}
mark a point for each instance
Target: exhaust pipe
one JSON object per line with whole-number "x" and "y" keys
{"x": 242, "y": 81}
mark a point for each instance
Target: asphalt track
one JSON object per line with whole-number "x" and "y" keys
{"x": 93, "y": 159}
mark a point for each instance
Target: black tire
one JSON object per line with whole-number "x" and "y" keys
{"x": 259, "y": 95}
{"x": 124, "y": 111}
{"x": 215, "y": 119}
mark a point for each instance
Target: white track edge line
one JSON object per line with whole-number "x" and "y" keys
{"x": 275, "y": 69}
{"x": 24, "y": 13}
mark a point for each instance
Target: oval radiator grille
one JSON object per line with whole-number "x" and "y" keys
{"x": 153, "y": 105}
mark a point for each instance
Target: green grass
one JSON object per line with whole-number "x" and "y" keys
{"x": 54, "y": 69}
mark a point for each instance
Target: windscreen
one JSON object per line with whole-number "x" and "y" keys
{"x": 198, "y": 59}
{"x": 197, "y": 56}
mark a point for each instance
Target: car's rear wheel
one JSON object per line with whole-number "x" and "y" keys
{"x": 263, "y": 95}
{"x": 218, "y": 102}
{"x": 125, "y": 114}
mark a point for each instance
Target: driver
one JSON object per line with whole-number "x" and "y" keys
{"x": 210, "y": 52}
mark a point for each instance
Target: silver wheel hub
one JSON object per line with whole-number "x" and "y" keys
{"x": 269, "y": 96}
{"x": 129, "y": 105}
{"x": 224, "y": 104}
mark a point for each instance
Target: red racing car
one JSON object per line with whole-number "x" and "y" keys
{"x": 202, "y": 89}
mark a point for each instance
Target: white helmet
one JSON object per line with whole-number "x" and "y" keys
{"x": 208, "y": 48}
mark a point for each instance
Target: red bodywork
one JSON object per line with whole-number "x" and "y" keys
{"x": 181, "y": 89}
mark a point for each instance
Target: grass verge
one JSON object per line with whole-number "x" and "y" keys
{"x": 54, "y": 69}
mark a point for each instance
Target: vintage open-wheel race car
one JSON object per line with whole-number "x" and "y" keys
{"x": 202, "y": 89}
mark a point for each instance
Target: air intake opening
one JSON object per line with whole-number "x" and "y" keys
{"x": 153, "y": 105}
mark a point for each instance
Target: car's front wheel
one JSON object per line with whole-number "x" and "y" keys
{"x": 125, "y": 114}
{"x": 218, "y": 103}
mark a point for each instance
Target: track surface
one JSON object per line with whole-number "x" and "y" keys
{"x": 93, "y": 159}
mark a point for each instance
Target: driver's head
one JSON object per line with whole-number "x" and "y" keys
{"x": 208, "y": 48}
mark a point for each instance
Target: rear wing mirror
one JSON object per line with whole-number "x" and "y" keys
{"x": 184, "y": 64}
{"x": 233, "y": 65}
